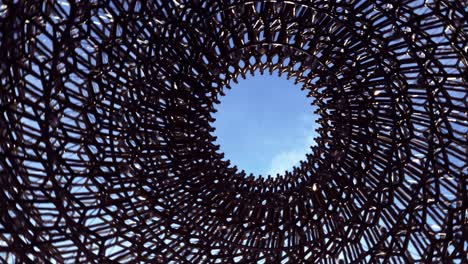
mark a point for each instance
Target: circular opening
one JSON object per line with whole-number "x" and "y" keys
{"x": 265, "y": 125}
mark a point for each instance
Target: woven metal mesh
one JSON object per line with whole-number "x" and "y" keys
{"x": 105, "y": 121}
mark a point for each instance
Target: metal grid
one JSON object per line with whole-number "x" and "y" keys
{"x": 105, "y": 121}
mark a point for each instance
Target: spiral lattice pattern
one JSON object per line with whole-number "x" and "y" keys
{"x": 107, "y": 156}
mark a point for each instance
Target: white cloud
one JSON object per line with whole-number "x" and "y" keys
{"x": 286, "y": 160}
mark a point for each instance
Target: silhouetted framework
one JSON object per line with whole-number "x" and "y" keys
{"x": 107, "y": 156}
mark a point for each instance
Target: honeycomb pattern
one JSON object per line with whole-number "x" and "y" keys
{"x": 106, "y": 152}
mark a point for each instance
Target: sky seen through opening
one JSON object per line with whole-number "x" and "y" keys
{"x": 265, "y": 124}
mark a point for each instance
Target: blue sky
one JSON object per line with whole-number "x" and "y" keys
{"x": 265, "y": 124}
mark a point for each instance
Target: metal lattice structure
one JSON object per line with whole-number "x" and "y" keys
{"x": 107, "y": 156}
